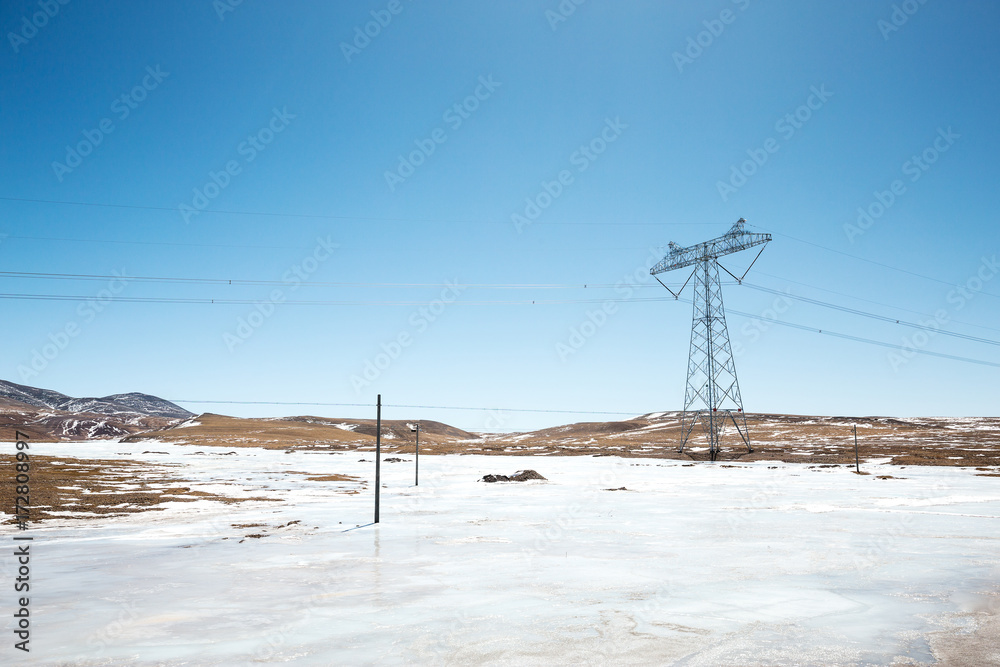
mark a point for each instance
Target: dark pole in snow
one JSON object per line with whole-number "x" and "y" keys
{"x": 857, "y": 465}
{"x": 416, "y": 470}
{"x": 378, "y": 453}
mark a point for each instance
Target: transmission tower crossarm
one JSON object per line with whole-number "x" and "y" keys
{"x": 676, "y": 294}
{"x": 735, "y": 240}
{"x": 735, "y": 277}
{"x": 738, "y": 279}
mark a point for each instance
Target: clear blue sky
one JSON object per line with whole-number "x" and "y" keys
{"x": 329, "y": 121}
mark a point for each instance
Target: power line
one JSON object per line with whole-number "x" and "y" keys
{"x": 220, "y": 281}
{"x": 317, "y": 216}
{"x": 285, "y": 247}
{"x": 877, "y": 303}
{"x": 539, "y": 302}
{"x": 862, "y": 313}
{"x": 459, "y": 221}
{"x": 510, "y": 286}
{"x": 208, "y": 301}
{"x": 415, "y": 407}
{"x": 871, "y": 261}
{"x": 827, "y": 332}
{"x": 153, "y": 243}
{"x": 236, "y": 281}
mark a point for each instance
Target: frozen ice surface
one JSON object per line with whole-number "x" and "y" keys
{"x": 754, "y": 563}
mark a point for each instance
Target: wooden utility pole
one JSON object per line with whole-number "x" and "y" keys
{"x": 378, "y": 453}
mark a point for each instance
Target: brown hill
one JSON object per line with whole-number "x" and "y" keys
{"x": 964, "y": 441}
{"x": 212, "y": 430}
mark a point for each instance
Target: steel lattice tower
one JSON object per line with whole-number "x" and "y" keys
{"x": 712, "y": 395}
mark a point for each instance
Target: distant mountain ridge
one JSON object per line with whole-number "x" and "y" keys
{"x": 130, "y": 404}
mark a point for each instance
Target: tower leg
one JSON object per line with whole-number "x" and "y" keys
{"x": 688, "y": 422}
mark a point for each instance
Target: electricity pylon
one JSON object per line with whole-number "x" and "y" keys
{"x": 713, "y": 392}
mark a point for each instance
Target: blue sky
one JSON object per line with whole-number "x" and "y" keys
{"x": 308, "y": 119}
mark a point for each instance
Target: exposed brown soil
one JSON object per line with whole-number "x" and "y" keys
{"x": 61, "y": 488}
{"x": 333, "y": 478}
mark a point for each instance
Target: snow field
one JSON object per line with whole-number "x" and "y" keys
{"x": 707, "y": 564}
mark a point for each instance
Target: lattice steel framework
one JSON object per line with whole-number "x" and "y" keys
{"x": 712, "y": 395}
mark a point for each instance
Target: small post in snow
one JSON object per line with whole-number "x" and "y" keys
{"x": 857, "y": 464}
{"x": 416, "y": 470}
{"x": 378, "y": 453}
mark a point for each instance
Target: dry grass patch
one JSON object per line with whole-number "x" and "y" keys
{"x": 81, "y": 488}
{"x": 334, "y": 478}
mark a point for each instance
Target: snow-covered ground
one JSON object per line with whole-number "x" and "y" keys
{"x": 707, "y": 564}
